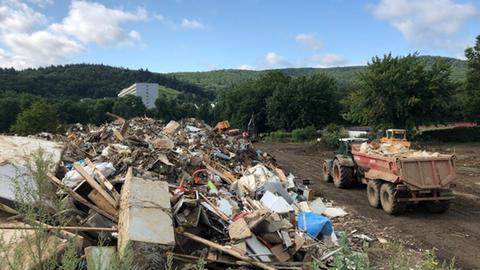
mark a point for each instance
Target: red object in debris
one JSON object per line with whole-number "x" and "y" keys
{"x": 181, "y": 189}
{"x": 240, "y": 215}
{"x": 197, "y": 179}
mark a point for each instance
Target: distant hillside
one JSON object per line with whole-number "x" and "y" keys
{"x": 223, "y": 79}
{"x": 97, "y": 81}
{"x": 88, "y": 81}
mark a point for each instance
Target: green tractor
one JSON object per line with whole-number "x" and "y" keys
{"x": 341, "y": 169}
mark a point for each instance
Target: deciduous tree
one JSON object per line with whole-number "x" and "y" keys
{"x": 129, "y": 106}
{"x": 400, "y": 92}
{"x": 471, "y": 98}
{"x": 40, "y": 117}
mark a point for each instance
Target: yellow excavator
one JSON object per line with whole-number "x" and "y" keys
{"x": 396, "y": 136}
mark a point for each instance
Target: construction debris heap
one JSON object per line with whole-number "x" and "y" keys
{"x": 185, "y": 191}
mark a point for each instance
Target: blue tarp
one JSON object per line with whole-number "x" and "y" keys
{"x": 314, "y": 224}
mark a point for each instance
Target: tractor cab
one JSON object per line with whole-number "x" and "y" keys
{"x": 396, "y": 136}
{"x": 342, "y": 163}
{"x": 345, "y": 145}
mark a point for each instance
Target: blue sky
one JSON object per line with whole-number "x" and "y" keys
{"x": 188, "y": 35}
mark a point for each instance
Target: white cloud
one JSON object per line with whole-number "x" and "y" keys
{"x": 319, "y": 60}
{"x": 309, "y": 40}
{"x": 270, "y": 60}
{"x": 191, "y": 24}
{"x": 94, "y": 23}
{"x": 246, "y": 67}
{"x": 19, "y": 17}
{"x": 28, "y": 40}
{"x": 426, "y": 22}
{"x": 38, "y": 48}
{"x": 328, "y": 60}
{"x": 273, "y": 60}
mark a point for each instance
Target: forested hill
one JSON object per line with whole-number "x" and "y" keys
{"x": 86, "y": 81}
{"x": 98, "y": 81}
{"x": 225, "y": 79}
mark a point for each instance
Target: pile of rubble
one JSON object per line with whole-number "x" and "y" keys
{"x": 185, "y": 191}
{"x": 396, "y": 150}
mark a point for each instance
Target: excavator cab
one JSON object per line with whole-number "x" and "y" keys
{"x": 396, "y": 136}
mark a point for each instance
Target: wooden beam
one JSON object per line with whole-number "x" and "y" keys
{"x": 99, "y": 201}
{"x": 121, "y": 119}
{"x": 219, "y": 212}
{"x": 95, "y": 185}
{"x": 228, "y": 178}
{"x": 225, "y": 250}
{"x": 66, "y": 228}
{"x": 189, "y": 258}
{"x": 103, "y": 180}
{"x": 7, "y": 209}
{"x": 79, "y": 198}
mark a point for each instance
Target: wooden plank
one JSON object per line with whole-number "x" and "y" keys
{"x": 79, "y": 198}
{"x": 99, "y": 201}
{"x": 95, "y": 185}
{"x": 225, "y": 250}
{"x": 280, "y": 174}
{"x": 280, "y": 252}
{"x": 228, "y": 178}
{"x": 66, "y": 228}
{"x": 103, "y": 180}
{"x": 119, "y": 118}
{"x": 128, "y": 176}
{"x": 194, "y": 259}
{"x": 7, "y": 209}
{"x": 239, "y": 230}
{"x": 124, "y": 128}
{"x": 219, "y": 212}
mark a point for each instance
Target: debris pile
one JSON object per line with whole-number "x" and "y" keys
{"x": 186, "y": 191}
{"x": 396, "y": 150}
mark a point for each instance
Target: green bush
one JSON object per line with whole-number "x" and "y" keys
{"x": 40, "y": 117}
{"x": 348, "y": 258}
{"x": 304, "y": 134}
{"x": 280, "y": 136}
{"x": 464, "y": 134}
{"x": 331, "y": 134}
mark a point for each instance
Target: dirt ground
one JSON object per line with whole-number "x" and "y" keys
{"x": 456, "y": 234}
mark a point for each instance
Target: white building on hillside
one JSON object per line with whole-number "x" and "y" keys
{"x": 147, "y": 91}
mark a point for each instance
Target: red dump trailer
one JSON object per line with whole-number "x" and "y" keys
{"x": 394, "y": 181}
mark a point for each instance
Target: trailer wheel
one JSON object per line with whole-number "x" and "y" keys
{"x": 342, "y": 175}
{"x": 373, "y": 193}
{"x": 327, "y": 177}
{"x": 438, "y": 207}
{"x": 388, "y": 198}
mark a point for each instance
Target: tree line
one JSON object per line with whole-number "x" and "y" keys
{"x": 78, "y": 81}
{"x": 25, "y": 114}
{"x": 400, "y": 92}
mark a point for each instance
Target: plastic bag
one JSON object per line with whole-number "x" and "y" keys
{"x": 314, "y": 224}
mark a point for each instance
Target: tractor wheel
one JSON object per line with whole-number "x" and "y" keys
{"x": 342, "y": 175}
{"x": 388, "y": 198}
{"x": 373, "y": 193}
{"x": 438, "y": 207}
{"x": 326, "y": 176}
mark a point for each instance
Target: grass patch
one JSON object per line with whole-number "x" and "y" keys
{"x": 299, "y": 135}
{"x": 168, "y": 92}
